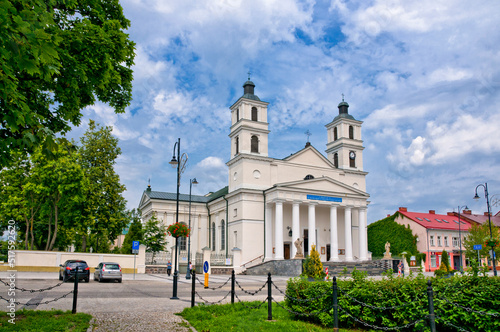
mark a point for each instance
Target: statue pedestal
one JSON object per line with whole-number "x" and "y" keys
{"x": 299, "y": 256}
{"x": 387, "y": 255}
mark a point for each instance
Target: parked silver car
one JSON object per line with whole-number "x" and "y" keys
{"x": 108, "y": 271}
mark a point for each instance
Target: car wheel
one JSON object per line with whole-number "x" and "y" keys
{"x": 100, "y": 279}
{"x": 60, "y": 277}
{"x": 65, "y": 277}
{"x": 120, "y": 280}
{"x": 87, "y": 279}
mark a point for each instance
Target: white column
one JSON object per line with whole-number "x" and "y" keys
{"x": 278, "y": 232}
{"x": 295, "y": 226}
{"x": 269, "y": 233}
{"x": 312, "y": 226}
{"x": 363, "y": 247}
{"x": 348, "y": 234}
{"x": 334, "y": 242}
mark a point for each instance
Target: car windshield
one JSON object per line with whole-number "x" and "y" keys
{"x": 75, "y": 264}
{"x": 111, "y": 266}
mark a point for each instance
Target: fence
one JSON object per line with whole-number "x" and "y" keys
{"x": 428, "y": 318}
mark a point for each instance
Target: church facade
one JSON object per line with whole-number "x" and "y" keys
{"x": 270, "y": 203}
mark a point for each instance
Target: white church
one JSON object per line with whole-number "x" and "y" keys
{"x": 269, "y": 203}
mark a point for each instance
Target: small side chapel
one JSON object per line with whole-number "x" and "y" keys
{"x": 269, "y": 203}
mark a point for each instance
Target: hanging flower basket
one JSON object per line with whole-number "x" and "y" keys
{"x": 492, "y": 243}
{"x": 178, "y": 230}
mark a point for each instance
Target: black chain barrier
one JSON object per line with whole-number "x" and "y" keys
{"x": 37, "y": 303}
{"x": 35, "y": 290}
{"x": 214, "y": 288}
{"x": 494, "y": 314}
{"x": 451, "y": 324}
{"x": 249, "y": 307}
{"x": 208, "y": 302}
{"x": 302, "y": 313}
{"x": 375, "y": 307}
{"x": 248, "y": 292}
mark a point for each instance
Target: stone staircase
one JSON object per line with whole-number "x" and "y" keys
{"x": 373, "y": 268}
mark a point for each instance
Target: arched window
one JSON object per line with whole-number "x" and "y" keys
{"x": 309, "y": 177}
{"x": 237, "y": 114}
{"x": 254, "y": 144}
{"x": 254, "y": 114}
{"x": 182, "y": 241}
{"x": 335, "y": 135}
{"x": 351, "y": 132}
{"x": 213, "y": 236}
{"x": 222, "y": 235}
{"x": 336, "y": 159}
{"x": 237, "y": 142}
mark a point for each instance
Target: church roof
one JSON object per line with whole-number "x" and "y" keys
{"x": 185, "y": 197}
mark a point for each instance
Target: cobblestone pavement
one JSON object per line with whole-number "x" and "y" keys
{"x": 138, "y": 321}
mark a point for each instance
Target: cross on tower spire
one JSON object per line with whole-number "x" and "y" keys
{"x": 308, "y": 133}
{"x": 249, "y": 75}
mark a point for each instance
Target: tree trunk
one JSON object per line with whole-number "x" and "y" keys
{"x": 31, "y": 229}
{"x": 84, "y": 243}
{"x": 27, "y": 233}
{"x": 50, "y": 231}
{"x": 56, "y": 216}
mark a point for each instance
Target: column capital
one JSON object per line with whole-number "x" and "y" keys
{"x": 278, "y": 200}
{"x": 312, "y": 203}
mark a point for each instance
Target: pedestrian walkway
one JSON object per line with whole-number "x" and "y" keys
{"x": 137, "y": 321}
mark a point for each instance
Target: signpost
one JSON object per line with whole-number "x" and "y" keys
{"x": 135, "y": 251}
{"x": 206, "y": 267}
{"x": 478, "y": 247}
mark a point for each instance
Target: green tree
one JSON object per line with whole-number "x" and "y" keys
{"x": 104, "y": 206}
{"x": 134, "y": 231}
{"x": 154, "y": 236}
{"x": 480, "y": 234}
{"x": 56, "y": 58}
{"x": 313, "y": 268}
{"x": 385, "y": 230}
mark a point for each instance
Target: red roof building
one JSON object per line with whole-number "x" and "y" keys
{"x": 435, "y": 233}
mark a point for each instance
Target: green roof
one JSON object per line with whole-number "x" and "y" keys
{"x": 185, "y": 197}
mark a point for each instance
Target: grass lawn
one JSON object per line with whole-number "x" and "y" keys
{"x": 237, "y": 317}
{"x": 38, "y": 320}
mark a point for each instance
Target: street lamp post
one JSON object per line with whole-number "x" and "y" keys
{"x": 188, "y": 274}
{"x": 460, "y": 236}
{"x": 179, "y": 162}
{"x": 476, "y": 196}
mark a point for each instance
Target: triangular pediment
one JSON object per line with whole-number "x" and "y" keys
{"x": 323, "y": 184}
{"x": 309, "y": 156}
{"x": 144, "y": 199}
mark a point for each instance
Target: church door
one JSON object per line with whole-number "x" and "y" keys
{"x": 306, "y": 242}
{"x": 286, "y": 250}
{"x": 328, "y": 254}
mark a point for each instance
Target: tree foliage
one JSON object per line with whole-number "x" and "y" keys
{"x": 56, "y": 58}
{"x": 155, "y": 235}
{"x": 135, "y": 232}
{"x": 313, "y": 268}
{"x": 385, "y": 230}
{"x": 480, "y": 234}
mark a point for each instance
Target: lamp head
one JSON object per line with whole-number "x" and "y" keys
{"x": 193, "y": 181}
{"x": 476, "y": 196}
{"x": 173, "y": 162}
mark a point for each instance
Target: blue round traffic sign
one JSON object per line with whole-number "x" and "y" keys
{"x": 205, "y": 267}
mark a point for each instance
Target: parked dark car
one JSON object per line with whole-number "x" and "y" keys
{"x": 67, "y": 270}
{"x": 108, "y": 271}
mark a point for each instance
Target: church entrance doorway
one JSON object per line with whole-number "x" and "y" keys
{"x": 306, "y": 242}
{"x": 328, "y": 252}
{"x": 286, "y": 250}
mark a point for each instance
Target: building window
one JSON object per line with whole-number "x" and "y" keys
{"x": 254, "y": 114}
{"x": 431, "y": 240}
{"x": 237, "y": 114}
{"x": 433, "y": 261}
{"x": 439, "y": 241}
{"x": 222, "y": 235}
{"x": 254, "y": 144}
{"x": 309, "y": 177}
{"x": 235, "y": 212}
{"x": 237, "y": 142}
{"x": 455, "y": 241}
{"x": 351, "y": 132}
{"x": 336, "y": 160}
{"x": 213, "y": 236}
{"x": 236, "y": 239}
{"x": 446, "y": 241}
{"x": 182, "y": 241}
{"x": 335, "y": 135}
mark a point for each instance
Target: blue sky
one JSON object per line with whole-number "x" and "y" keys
{"x": 424, "y": 77}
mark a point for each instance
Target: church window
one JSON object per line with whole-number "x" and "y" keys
{"x": 222, "y": 235}
{"x": 351, "y": 132}
{"x": 335, "y": 135}
{"x": 213, "y": 236}
{"x": 182, "y": 241}
{"x": 237, "y": 114}
{"x": 336, "y": 160}
{"x": 352, "y": 159}
{"x": 237, "y": 142}
{"x": 309, "y": 177}
{"x": 254, "y": 114}
{"x": 254, "y": 146}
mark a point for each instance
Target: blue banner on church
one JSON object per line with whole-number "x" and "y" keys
{"x": 325, "y": 198}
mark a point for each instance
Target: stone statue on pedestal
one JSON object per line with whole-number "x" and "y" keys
{"x": 387, "y": 254}
{"x": 298, "y": 245}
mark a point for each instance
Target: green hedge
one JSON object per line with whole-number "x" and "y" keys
{"x": 478, "y": 294}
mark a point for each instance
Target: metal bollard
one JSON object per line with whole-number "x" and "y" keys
{"x": 432, "y": 317}
{"x": 193, "y": 286}
{"x": 232, "y": 286}
{"x": 75, "y": 292}
{"x": 335, "y": 306}
{"x": 269, "y": 298}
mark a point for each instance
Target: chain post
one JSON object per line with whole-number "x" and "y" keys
{"x": 193, "y": 286}
{"x": 432, "y": 316}
{"x": 233, "y": 278}
{"x": 269, "y": 298}
{"x": 335, "y": 306}
{"x": 75, "y": 292}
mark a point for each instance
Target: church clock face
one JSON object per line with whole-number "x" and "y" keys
{"x": 352, "y": 155}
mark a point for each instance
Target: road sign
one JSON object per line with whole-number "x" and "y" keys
{"x": 135, "y": 245}
{"x": 205, "y": 267}
{"x": 478, "y": 246}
